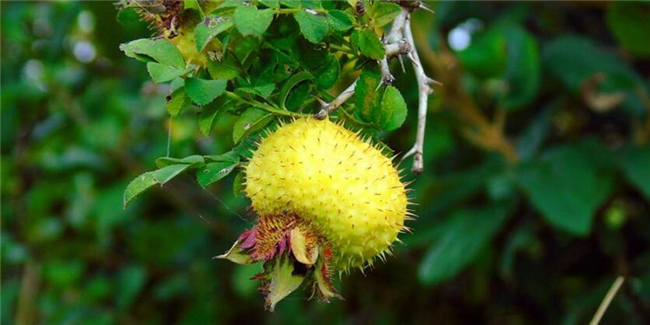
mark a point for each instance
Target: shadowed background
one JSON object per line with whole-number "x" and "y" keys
{"x": 534, "y": 196}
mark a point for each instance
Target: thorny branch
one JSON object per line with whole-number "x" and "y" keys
{"x": 399, "y": 41}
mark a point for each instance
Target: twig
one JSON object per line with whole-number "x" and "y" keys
{"x": 327, "y": 108}
{"x": 423, "y": 90}
{"x": 608, "y": 299}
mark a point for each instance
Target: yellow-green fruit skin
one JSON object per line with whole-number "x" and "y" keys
{"x": 344, "y": 187}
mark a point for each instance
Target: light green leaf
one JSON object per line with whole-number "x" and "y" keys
{"x": 459, "y": 240}
{"x": 339, "y": 20}
{"x": 161, "y": 51}
{"x": 229, "y": 157}
{"x": 194, "y": 161}
{"x": 202, "y": 91}
{"x": 383, "y": 13}
{"x": 275, "y": 4}
{"x": 283, "y": 281}
{"x": 253, "y": 119}
{"x": 193, "y": 4}
{"x": 227, "y": 68}
{"x": 393, "y": 110}
{"x": 370, "y": 45}
{"x": 209, "y": 29}
{"x": 137, "y": 186}
{"x": 177, "y": 102}
{"x": 251, "y": 21}
{"x": 313, "y": 27}
{"x": 165, "y": 174}
{"x": 163, "y": 73}
{"x": 367, "y": 98}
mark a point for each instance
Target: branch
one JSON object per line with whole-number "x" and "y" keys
{"x": 327, "y": 108}
{"x": 423, "y": 95}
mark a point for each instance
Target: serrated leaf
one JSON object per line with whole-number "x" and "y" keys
{"x": 635, "y": 163}
{"x": 227, "y": 68}
{"x": 161, "y": 51}
{"x": 367, "y": 98}
{"x": 177, "y": 102}
{"x": 209, "y": 29}
{"x": 566, "y": 187}
{"x": 202, "y": 91}
{"x": 253, "y": 119}
{"x": 339, "y": 20}
{"x": 383, "y": 13}
{"x": 215, "y": 171}
{"x": 393, "y": 110}
{"x": 459, "y": 240}
{"x": 163, "y": 73}
{"x": 193, "y": 161}
{"x": 252, "y": 21}
{"x": 313, "y": 27}
{"x": 370, "y": 45}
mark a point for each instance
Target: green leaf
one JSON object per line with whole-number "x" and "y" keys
{"x": 328, "y": 73}
{"x": 486, "y": 57}
{"x": 253, "y": 119}
{"x": 239, "y": 184}
{"x": 229, "y": 157}
{"x": 339, "y": 20}
{"x": 275, "y": 4}
{"x": 137, "y": 186}
{"x": 523, "y": 71}
{"x": 210, "y": 114}
{"x": 208, "y": 29}
{"x": 566, "y": 187}
{"x": 291, "y": 3}
{"x": 291, "y": 83}
{"x": 459, "y": 241}
{"x": 193, "y": 161}
{"x": 251, "y": 21}
{"x": 163, "y": 73}
{"x": 193, "y": 4}
{"x": 383, "y": 13}
{"x": 283, "y": 281}
{"x": 130, "y": 282}
{"x": 147, "y": 180}
{"x": 565, "y": 59}
{"x": 161, "y": 51}
{"x": 202, "y": 91}
{"x": 370, "y": 45}
{"x": 263, "y": 91}
{"x": 629, "y": 23}
{"x": 227, "y": 68}
{"x": 177, "y": 101}
{"x": 367, "y": 98}
{"x": 393, "y": 110}
{"x": 635, "y": 163}
{"x": 215, "y": 171}
{"x": 313, "y": 27}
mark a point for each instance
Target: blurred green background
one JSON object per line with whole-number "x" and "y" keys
{"x": 535, "y": 194}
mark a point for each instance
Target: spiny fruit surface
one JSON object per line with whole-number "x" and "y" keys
{"x": 343, "y": 187}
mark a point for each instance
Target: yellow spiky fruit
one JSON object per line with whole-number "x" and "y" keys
{"x": 342, "y": 187}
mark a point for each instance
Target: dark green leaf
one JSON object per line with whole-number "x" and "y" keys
{"x": 211, "y": 114}
{"x": 227, "y": 68}
{"x": 328, "y": 73}
{"x": 291, "y": 83}
{"x": 523, "y": 71}
{"x": 275, "y": 4}
{"x": 193, "y": 161}
{"x": 566, "y": 187}
{"x": 213, "y": 172}
{"x": 486, "y": 56}
{"x": 238, "y": 184}
{"x": 458, "y": 242}
{"x": 202, "y": 91}
{"x": 137, "y": 186}
{"x": 367, "y": 98}
{"x": 163, "y": 73}
{"x": 630, "y": 25}
{"x": 165, "y": 174}
{"x": 193, "y": 4}
{"x": 251, "y": 21}
{"x": 635, "y": 163}
{"x": 253, "y": 119}
{"x": 313, "y": 27}
{"x": 393, "y": 110}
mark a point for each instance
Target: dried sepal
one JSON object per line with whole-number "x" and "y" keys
{"x": 304, "y": 246}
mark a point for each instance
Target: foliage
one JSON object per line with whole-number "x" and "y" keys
{"x": 534, "y": 196}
